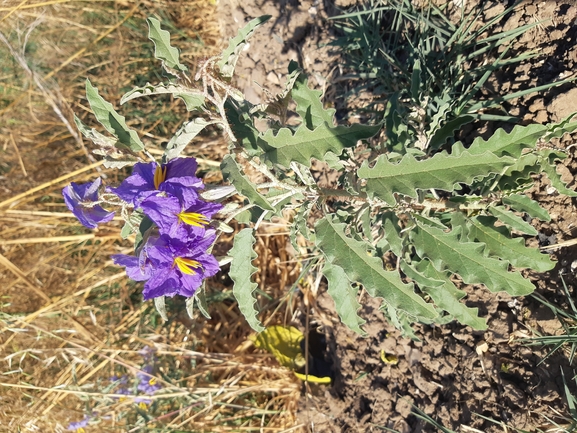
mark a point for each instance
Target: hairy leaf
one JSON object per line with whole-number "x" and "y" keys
{"x": 184, "y": 136}
{"x": 442, "y": 171}
{"x": 345, "y": 297}
{"x": 161, "y": 307}
{"x": 351, "y": 255}
{"x": 231, "y": 54}
{"x": 200, "y": 299}
{"x": 499, "y": 244}
{"x": 112, "y": 121}
{"x": 549, "y": 166}
{"x": 233, "y": 173}
{"x": 447, "y": 296}
{"x": 309, "y": 104}
{"x": 96, "y": 137}
{"x": 522, "y": 203}
{"x": 393, "y": 232}
{"x": 286, "y": 146}
{"x": 446, "y": 251}
{"x": 512, "y": 220}
{"x": 241, "y": 271}
{"x": 193, "y": 99}
{"x": 512, "y": 144}
{"x": 163, "y": 51}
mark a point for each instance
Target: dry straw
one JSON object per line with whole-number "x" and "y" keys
{"x": 69, "y": 319}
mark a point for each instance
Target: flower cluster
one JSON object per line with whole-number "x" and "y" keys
{"x": 173, "y": 259}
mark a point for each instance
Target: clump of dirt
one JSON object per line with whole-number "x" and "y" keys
{"x": 454, "y": 374}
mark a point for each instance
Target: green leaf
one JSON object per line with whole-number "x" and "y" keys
{"x": 161, "y": 307}
{"x": 499, "y": 244}
{"x": 231, "y": 54}
{"x": 309, "y": 104}
{"x": 447, "y": 131}
{"x": 549, "y": 166}
{"x": 112, "y": 121}
{"x": 200, "y": 299}
{"x": 442, "y": 171}
{"x": 352, "y": 256}
{"x": 345, "y": 297}
{"x": 512, "y": 220}
{"x": 522, "y": 203}
{"x": 241, "y": 271}
{"x": 446, "y": 251}
{"x": 447, "y": 296}
{"x": 184, "y": 136}
{"x": 93, "y": 135}
{"x": 286, "y": 147}
{"x": 502, "y": 143}
{"x": 393, "y": 232}
{"x": 193, "y": 99}
{"x": 163, "y": 51}
{"x": 233, "y": 173}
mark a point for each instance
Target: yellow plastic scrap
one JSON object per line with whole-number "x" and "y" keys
{"x": 389, "y": 359}
{"x": 284, "y": 343}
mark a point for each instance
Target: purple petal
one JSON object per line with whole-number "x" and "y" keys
{"x": 138, "y": 185}
{"x": 190, "y": 284}
{"x": 79, "y": 198}
{"x": 133, "y": 267}
{"x": 182, "y": 170}
{"x": 162, "y": 211}
{"x": 162, "y": 283}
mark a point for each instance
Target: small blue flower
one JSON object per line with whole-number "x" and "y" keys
{"x": 80, "y": 198}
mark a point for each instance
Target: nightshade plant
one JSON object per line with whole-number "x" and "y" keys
{"x": 401, "y": 222}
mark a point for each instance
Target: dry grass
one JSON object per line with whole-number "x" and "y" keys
{"x": 70, "y": 319}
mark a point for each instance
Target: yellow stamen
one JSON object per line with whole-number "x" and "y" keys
{"x": 80, "y": 430}
{"x": 159, "y": 175}
{"x": 193, "y": 219}
{"x": 187, "y": 266}
{"x": 152, "y": 381}
{"x": 142, "y": 405}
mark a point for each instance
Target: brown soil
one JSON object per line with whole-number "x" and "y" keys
{"x": 454, "y": 374}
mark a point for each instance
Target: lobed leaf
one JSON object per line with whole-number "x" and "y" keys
{"x": 447, "y": 296}
{"x": 184, "y": 136}
{"x": 442, "y": 171}
{"x": 112, "y": 121}
{"x": 309, "y": 104}
{"x": 231, "y": 54}
{"x": 193, "y": 99}
{"x": 351, "y": 255}
{"x": 512, "y": 144}
{"x": 241, "y": 271}
{"x": 345, "y": 297}
{"x": 163, "y": 51}
{"x": 522, "y": 203}
{"x": 447, "y": 251}
{"x": 509, "y": 218}
{"x": 549, "y": 166}
{"x": 286, "y": 146}
{"x": 499, "y": 244}
{"x": 233, "y": 173}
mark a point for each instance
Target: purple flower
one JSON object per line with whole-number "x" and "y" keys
{"x": 80, "y": 198}
{"x": 78, "y": 426}
{"x": 146, "y": 382}
{"x": 172, "y": 266}
{"x": 177, "y": 177}
{"x": 174, "y": 217}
